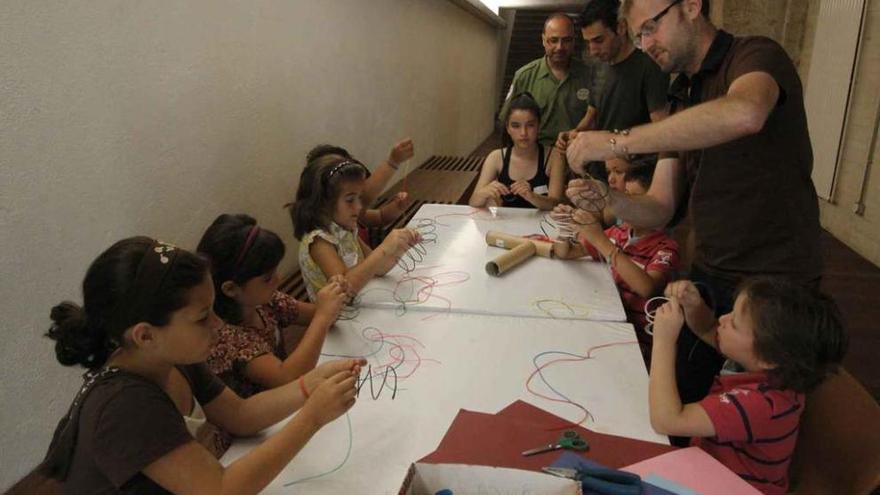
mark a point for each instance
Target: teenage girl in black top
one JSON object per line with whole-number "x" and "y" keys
{"x": 516, "y": 175}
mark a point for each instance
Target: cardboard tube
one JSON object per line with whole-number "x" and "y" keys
{"x": 510, "y": 259}
{"x": 507, "y": 241}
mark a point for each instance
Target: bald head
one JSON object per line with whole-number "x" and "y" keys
{"x": 559, "y": 20}
{"x": 558, "y": 40}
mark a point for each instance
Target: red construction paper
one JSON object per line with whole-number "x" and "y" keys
{"x": 499, "y": 440}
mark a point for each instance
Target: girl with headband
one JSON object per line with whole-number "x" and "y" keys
{"x": 325, "y": 219}
{"x": 250, "y": 355}
{"x": 144, "y": 330}
{"x": 516, "y": 175}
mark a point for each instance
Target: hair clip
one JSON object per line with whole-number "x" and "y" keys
{"x": 161, "y": 249}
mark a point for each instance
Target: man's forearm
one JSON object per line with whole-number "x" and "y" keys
{"x": 702, "y": 126}
{"x": 640, "y": 211}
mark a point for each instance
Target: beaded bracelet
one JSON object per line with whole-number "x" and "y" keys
{"x": 624, "y": 150}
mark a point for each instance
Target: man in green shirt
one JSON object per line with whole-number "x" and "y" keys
{"x": 560, "y": 83}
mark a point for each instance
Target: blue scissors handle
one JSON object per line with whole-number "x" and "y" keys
{"x": 602, "y": 480}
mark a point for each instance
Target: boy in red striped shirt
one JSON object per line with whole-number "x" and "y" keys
{"x": 784, "y": 338}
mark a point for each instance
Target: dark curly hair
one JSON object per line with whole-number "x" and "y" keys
{"x": 798, "y": 330}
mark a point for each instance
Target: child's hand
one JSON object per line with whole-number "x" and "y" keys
{"x": 588, "y": 225}
{"x": 668, "y": 321}
{"x": 561, "y": 212}
{"x": 399, "y": 241}
{"x": 401, "y": 152}
{"x": 588, "y": 194}
{"x": 343, "y": 282}
{"x": 331, "y": 398}
{"x": 564, "y": 138}
{"x": 493, "y": 191}
{"x": 521, "y": 188}
{"x": 331, "y": 298}
{"x": 327, "y": 369}
{"x": 686, "y": 293}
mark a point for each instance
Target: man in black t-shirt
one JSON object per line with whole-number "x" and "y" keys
{"x": 744, "y": 158}
{"x": 633, "y": 89}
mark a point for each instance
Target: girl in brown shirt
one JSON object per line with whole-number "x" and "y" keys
{"x": 146, "y": 325}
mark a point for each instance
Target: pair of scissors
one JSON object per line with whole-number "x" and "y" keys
{"x": 601, "y": 480}
{"x": 569, "y": 440}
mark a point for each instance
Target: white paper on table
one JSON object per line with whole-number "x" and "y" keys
{"x": 451, "y": 274}
{"x": 454, "y": 362}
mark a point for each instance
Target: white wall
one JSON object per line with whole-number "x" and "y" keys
{"x": 124, "y": 117}
{"x": 859, "y": 165}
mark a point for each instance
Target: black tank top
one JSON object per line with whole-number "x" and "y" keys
{"x": 540, "y": 179}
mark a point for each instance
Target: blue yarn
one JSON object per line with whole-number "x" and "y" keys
{"x": 541, "y": 373}
{"x": 337, "y": 468}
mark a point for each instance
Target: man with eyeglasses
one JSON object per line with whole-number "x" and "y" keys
{"x": 737, "y": 156}
{"x": 560, "y": 83}
{"x": 634, "y": 88}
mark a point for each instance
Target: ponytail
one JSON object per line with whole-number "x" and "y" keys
{"x": 75, "y": 341}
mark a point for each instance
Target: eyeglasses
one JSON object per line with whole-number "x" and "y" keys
{"x": 650, "y": 26}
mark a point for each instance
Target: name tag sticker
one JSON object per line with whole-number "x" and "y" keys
{"x": 350, "y": 259}
{"x": 541, "y": 190}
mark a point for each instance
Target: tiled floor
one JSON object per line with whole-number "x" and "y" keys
{"x": 852, "y": 281}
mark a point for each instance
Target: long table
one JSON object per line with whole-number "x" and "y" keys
{"x": 448, "y": 273}
{"x": 427, "y": 360}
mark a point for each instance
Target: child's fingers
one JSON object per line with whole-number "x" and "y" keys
{"x": 347, "y": 382}
{"x": 520, "y": 187}
{"x": 561, "y": 208}
{"x": 583, "y": 217}
{"x": 501, "y": 188}
{"x": 576, "y": 183}
{"x": 340, "y": 377}
{"x": 674, "y": 289}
